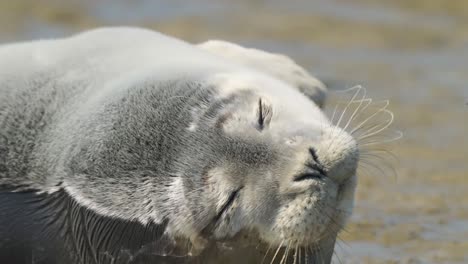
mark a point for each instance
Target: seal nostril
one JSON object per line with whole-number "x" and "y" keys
{"x": 313, "y": 152}
{"x": 316, "y": 167}
{"x": 308, "y": 176}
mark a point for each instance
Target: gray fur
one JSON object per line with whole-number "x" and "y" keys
{"x": 103, "y": 143}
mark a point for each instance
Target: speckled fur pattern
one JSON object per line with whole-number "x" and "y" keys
{"x": 184, "y": 146}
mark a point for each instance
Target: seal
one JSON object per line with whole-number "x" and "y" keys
{"x": 123, "y": 145}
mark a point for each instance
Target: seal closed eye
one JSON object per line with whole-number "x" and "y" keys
{"x": 232, "y": 196}
{"x": 229, "y": 202}
{"x": 114, "y": 151}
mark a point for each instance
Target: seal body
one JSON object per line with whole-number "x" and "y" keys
{"x": 125, "y": 146}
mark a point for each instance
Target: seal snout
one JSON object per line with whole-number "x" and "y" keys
{"x": 314, "y": 169}
{"x": 338, "y": 152}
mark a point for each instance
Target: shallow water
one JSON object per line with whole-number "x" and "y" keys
{"x": 414, "y": 53}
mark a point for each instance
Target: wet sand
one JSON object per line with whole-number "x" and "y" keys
{"x": 414, "y": 53}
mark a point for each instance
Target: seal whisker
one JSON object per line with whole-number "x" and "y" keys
{"x": 376, "y": 129}
{"x": 319, "y": 253}
{"x": 337, "y": 257}
{"x": 365, "y": 129}
{"x": 340, "y": 243}
{"x": 363, "y": 104}
{"x": 383, "y": 141}
{"x": 376, "y": 151}
{"x": 321, "y": 209}
{"x": 348, "y": 103}
{"x": 285, "y": 253}
{"x": 374, "y": 167}
{"x": 277, "y": 250}
{"x": 333, "y": 226}
{"x": 374, "y": 155}
{"x": 370, "y": 128}
{"x": 352, "y": 100}
{"x": 371, "y": 104}
{"x": 371, "y": 116}
{"x": 333, "y": 128}
{"x": 295, "y": 253}
{"x": 332, "y": 120}
{"x": 306, "y": 255}
{"x": 266, "y": 253}
{"x": 385, "y": 165}
{"x": 358, "y": 89}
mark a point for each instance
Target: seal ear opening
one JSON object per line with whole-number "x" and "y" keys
{"x": 264, "y": 114}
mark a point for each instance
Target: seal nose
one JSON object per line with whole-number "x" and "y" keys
{"x": 314, "y": 170}
{"x": 339, "y": 155}
{"x": 305, "y": 174}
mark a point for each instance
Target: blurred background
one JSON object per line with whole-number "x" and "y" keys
{"x": 412, "y": 52}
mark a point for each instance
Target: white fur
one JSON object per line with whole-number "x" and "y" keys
{"x": 101, "y": 56}
{"x": 277, "y": 65}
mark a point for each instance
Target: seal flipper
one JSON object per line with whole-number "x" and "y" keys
{"x": 22, "y": 239}
{"x": 53, "y": 228}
